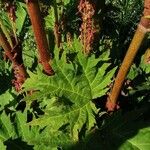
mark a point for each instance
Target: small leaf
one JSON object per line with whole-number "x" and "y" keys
{"x": 20, "y": 18}
{"x": 5, "y": 99}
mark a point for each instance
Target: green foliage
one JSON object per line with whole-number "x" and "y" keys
{"x": 7, "y": 93}
{"x": 133, "y": 72}
{"x": 7, "y": 26}
{"x": 69, "y": 92}
{"x": 120, "y": 22}
{"x": 65, "y": 98}
{"x": 5, "y": 78}
{"x": 20, "y": 18}
{"x": 29, "y": 49}
{"x": 120, "y": 131}
{"x": 125, "y": 11}
{"x": 6, "y": 98}
{"x": 127, "y": 131}
{"x": 50, "y": 19}
{"x": 144, "y": 65}
{"x": 65, "y": 111}
{"x": 140, "y": 88}
{"x": 4, "y": 67}
{"x": 3, "y": 147}
{"x": 14, "y": 130}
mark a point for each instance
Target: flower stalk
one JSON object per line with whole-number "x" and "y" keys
{"x": 87, "y": 11}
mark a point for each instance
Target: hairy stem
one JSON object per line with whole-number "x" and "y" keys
{"x": 15, "y": 56}
{"x": 136, "y": 42}
{"x": 40, "y": 36}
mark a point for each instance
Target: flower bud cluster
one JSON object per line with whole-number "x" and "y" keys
{"x": 19, "y": 78}
{"x": 87, "y": 11}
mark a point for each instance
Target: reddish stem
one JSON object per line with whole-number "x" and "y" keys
{"x": 40, "y": 36}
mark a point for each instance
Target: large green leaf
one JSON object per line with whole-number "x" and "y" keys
{"x": 69, "y": 92}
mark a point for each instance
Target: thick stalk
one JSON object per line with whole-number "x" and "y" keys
{"x": 136, "y": 42}
{"x": 39, "y": 33}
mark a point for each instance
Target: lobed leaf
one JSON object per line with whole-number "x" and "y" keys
{"x": 69, "y": 93}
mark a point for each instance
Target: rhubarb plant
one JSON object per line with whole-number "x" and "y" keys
{"x": 58, "y": 68}
{"x": 65, "y": 98}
